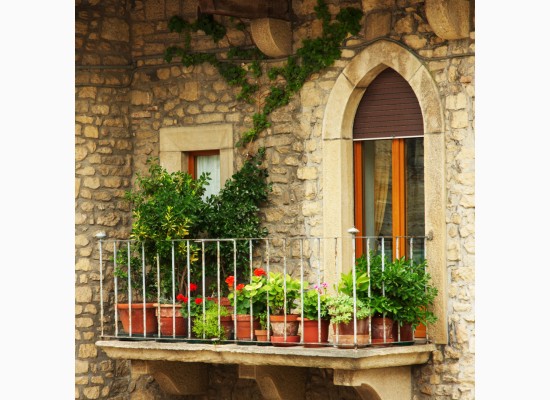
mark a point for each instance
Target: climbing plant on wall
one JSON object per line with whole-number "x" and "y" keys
{"x": 314, "y": 55}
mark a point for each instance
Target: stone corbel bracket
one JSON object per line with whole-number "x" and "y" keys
{"x": 174, "y": 377}
{"x": 449, "y": 19}
{"x": 272, "y": 36}
{"x": 275, "y": 382}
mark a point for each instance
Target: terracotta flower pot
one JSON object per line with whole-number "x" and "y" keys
{"x": 382, "y": 330}
{"x": 420, "y": 331}
{"x": 347, "y": 328}
{"x": 280, "y": 341}
{"x": 311, "y": 332}
{"x": 261, "y": 335}
{"x": 344, "y": 336}
{"x": 402, "y": 333}
{"x": 244, "y": 330}
{"x": 278, "y": 325}
{"x": 137, "y": 310}
{"x": 280, "y": 328}
{"x": 227, "y": 324}
{"x": 167, "y": 317}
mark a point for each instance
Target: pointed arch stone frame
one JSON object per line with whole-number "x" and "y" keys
{"x": 337, "y": 167}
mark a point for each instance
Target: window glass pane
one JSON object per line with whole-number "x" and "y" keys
{"x": 209, "y": 164}
{"x": 414, "y": 186}
{"x": 377, "y": 186}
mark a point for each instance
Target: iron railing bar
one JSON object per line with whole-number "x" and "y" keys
{"x": 318, "y": 291}
{"x": 101, "y": 280}
{"x": 188, "y": 291}
{"x": 268, "y": 325}
{"x": 158, "y": 292}
{"x": 383, "y": 292}
{"x": 219, "y": 285}
{"x": 115, "y": 265}
{"x": 235, "y": 286}
{"x": 284, "y": 290}
{"x": 129, "y": 293}
{"x": 173, "y": 291}
{"x": 251, "y": 306}
{"x": 353, "y": 232}
{"x": 302, "y": 286}
{"x": 203, "y": 269}
{"x": 144, "y": 295}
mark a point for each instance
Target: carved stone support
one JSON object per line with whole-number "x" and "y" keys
{"x": 276, "y": 382}
{"x": 379, "y": 383}
{"x": 450, "y": 19}
{"x": 175, "y": 377}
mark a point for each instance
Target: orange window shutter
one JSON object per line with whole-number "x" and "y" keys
{"x": 398, "y": 196}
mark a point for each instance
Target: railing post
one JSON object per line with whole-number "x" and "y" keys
{"x": 353, "y": 232}
{"x": 101, "y": 236}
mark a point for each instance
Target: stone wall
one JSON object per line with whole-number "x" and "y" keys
{"x": 120, "y": 111}
{"x": 103, "y": 171}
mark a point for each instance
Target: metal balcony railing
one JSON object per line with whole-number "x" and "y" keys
{"x": 157, "y": 287}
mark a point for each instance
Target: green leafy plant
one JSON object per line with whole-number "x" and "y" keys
{"x": 361, "y": 284}
{"x": 235, "y": 213}
{"x": 207, "y": 325}
{"x": 340, "y": 308}
{"x": 315, "y": 303}
{"x": 283, "y": 291}
{"x": 166, "y": 207}
{"x": 401, "y": 288}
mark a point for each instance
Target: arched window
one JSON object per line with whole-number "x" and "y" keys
{"x": 388, "y": 152}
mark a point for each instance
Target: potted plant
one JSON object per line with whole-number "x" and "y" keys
{"x": 282, "y": 292}
{"x": 316, "y": 320}
{"x": 383, "y": 275}
{"x": 209, "y": 325}
{"x": 170, "y": 316}
{"x": 262, "y": 334}
{"x": 166, "y": 207}
{"x": 248, "y": 302}
{"x": 135, "y": 287}
{"x": 411, "y": 289}
{"x": 342, "y": 313}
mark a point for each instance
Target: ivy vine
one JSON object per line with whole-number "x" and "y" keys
{"x": 314, "y": 56}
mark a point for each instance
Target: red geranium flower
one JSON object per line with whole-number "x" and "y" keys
{"x": 192, "y": 287}
{"x": 259, "y": 272}
{"x": 230, "y": 280}
{"x": 198, "y": 300}
{"x": 240, "y": 286}
{"x": 181, "y": 297}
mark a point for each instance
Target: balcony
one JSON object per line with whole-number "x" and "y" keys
{"x": 170, "y": 277}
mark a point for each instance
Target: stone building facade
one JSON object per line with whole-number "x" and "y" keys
{"x": 128, "y": 99}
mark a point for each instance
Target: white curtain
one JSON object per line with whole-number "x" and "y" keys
{"x": 210, "y": 164}
{"x": 382, "y": 170}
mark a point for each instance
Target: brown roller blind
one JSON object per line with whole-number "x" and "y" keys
{"x": 389, "y": 108}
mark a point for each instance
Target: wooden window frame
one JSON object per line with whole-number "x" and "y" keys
{"x": 399, "y": 194}
{"x": 192, "y": 160}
